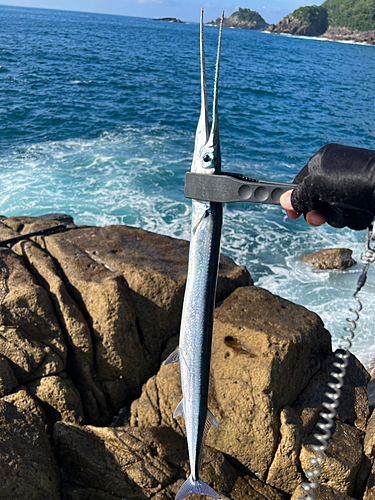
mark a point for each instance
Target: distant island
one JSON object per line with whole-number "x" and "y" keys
{"x": 169, "y": 20}
{"x": 334, "y": 19}
{"x": 351, "y": 20}
{"x": 243, "y": 19}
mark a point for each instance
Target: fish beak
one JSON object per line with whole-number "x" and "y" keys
{"x": 207, "y": 157}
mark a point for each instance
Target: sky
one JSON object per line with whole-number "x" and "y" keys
{"x": 186, "y": 10}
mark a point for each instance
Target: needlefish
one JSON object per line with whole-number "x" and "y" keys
{"x": 194, "y": 350}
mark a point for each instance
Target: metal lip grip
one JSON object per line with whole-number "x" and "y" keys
{"x": 229, "y": 189}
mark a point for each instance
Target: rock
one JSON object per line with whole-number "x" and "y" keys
{"x": 304, "y": 21}
{"x": 8, "y": 380}
{"x": 23, "y": 400}
{"x": 321, "y": 493}
{"x": 142, "y": 463}
{"x": 345, "y": 34}
{"x": 343, "y": 458}
{"x": 169, "y": 20}
{"x": 330, "y": 258}
{"x": 76, "y": 331}
{"x": 102, "y": 273}
{"x": 30, "y": 337}
{"x": 245, "y": 19}
{"x": 27, "y": 464}
{"x": 59, "y": 398}
{"x": 259, "y": 340}
{"x": 76, "y": 301}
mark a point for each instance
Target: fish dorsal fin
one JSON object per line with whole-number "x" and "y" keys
{"x": 174, "y": 357}
{"x": 179, "y": 411}
{"x": 209, "y": 421}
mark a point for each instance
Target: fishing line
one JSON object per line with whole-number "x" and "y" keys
{"x": 342, "y": 354}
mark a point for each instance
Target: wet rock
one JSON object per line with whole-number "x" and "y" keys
{"x": 330, "y": 258}
{"x": 259, "y": 340}
{"x": 27, "y": 464}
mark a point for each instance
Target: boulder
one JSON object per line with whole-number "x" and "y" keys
{"x": 99, "y": 303}
{"x": 321, "y": 493}
{"x": 259, "y": 341}
{"x": 58, "y": 397}
{"x": 30, "y": 336}
{"x": 27, "y": 464}
{"x": 330, "y": 258}
{"x": 134, "y": 463}
{"x": 23, "y": 400}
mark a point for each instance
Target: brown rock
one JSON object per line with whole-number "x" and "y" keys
{"x": 343, "y": 458}
{"x": 59, "y": 398}
{"x": 95, "y": 284}
{"x": 128, "y": 463}
{"x": 23, "y": 400}
{"x": 330, "y": 258}
{"x": 30, "y": 337}
{"x": 76, "y": 330}
{"x": 259, "y": 340}
{"x": 27, "y": 464}
{"x": 285, "y": 471}
{"x": 139, "y": 464}
{"x": 322, "y": 493}
{"x": 8, "y": 380}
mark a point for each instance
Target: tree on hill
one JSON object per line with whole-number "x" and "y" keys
{"x": 247, "y": 15}
{"x": 313, "y": 17}
{"x": 353, "y": 14}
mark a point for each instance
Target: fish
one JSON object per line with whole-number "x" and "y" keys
{"x": 194, "y": 351}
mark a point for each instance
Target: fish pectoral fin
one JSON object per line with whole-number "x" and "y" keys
{"x": 213, "y": 421}
{"x": 174, "y": 357}
{"x": 207, "y": 426}
{"x": 179, "y": 411}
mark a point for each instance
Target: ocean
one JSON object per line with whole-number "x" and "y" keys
{"x": 98, "y": 116}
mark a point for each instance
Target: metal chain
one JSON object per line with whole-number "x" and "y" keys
{"x": 325, "y": 425}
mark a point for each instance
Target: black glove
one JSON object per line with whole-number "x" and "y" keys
{"x": 339, "y": 181}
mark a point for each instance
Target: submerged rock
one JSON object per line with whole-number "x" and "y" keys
{"x": 330, "y": 258}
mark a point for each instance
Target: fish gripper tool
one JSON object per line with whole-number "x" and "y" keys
{"x": 231, "y": 188}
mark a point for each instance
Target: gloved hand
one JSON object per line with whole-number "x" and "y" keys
{"x": 339, "y": 182}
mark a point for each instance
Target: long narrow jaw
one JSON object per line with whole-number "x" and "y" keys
{"x": 207, "y": 158}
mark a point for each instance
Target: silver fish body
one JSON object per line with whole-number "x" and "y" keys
{"x": 194, "y": 352}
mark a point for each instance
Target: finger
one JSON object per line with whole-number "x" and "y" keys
{"x": 292, "y": 214}
{"x": 285, "y": 201}
{"x": 315, "y": 218}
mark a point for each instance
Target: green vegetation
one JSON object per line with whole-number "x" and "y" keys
{"x": 247, "y": 15}
{"x": 353, "y": 14}
{"x": 312, "y": 16}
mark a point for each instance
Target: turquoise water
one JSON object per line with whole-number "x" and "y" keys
{"x": 98, "y": 116}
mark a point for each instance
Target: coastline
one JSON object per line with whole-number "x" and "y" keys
{"x": 325, "y": 38}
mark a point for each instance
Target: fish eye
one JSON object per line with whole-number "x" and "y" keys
{"x": 207, "y": 159}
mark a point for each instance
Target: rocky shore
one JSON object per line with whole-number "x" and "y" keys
{"x": 292, "y": 26}
{"x": 87, "y": 317}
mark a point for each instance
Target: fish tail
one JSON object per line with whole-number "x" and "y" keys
{"x": 195, "y": 486}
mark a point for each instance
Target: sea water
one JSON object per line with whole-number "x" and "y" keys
{"x": 98, "y": 116}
